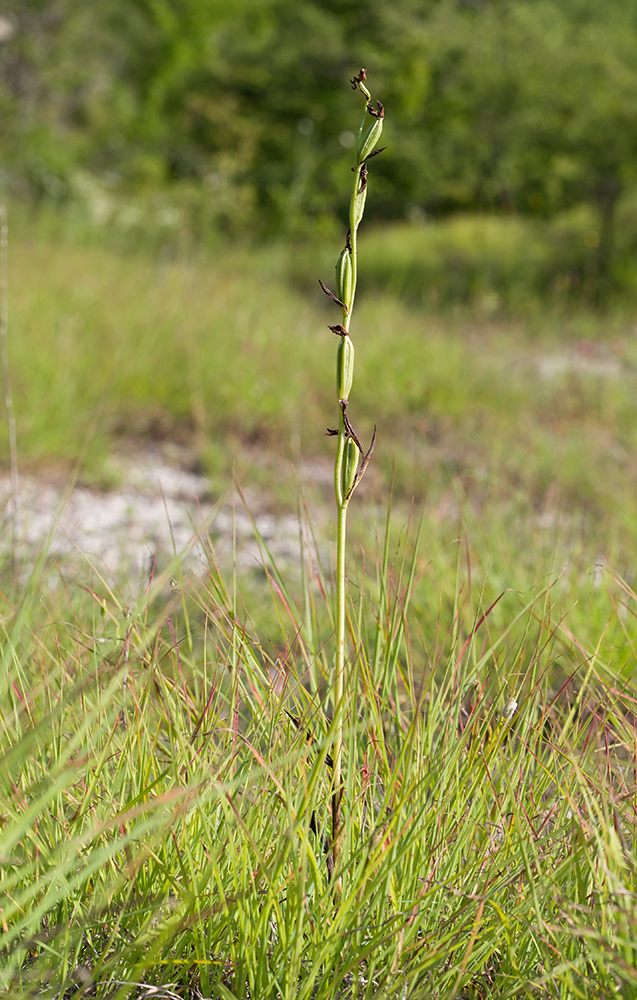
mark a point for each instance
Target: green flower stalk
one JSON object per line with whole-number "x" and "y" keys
{"x": 351, "y": 459}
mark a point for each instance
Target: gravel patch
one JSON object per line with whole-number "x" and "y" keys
{"x": 554, "y": 366}
{"x": 162, "y": 509}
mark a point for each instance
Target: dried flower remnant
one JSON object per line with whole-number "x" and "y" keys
{"x": 339, "y": 330}
{"x": 362, "y": 76}
{"x": 331, "y": 296}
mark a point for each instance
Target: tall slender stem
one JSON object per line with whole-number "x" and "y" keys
{"x": 339, "y": 689}
{"x": 347, "y": 475}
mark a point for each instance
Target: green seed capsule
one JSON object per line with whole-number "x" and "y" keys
{"x": 350, "y": 465}
{"x": 359, "y": 207}
{"x": 344, "y": 367}
{"x": 345, "y": 277}
{"x": 369, "y": 140}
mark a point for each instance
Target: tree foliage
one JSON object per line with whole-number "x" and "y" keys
{"x": 515, "y": 105}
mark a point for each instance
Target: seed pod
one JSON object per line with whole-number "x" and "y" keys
{"x": 345, "y": 277}
{"x": 349, "y": 467}
{"x": 369, "y": 140}
{"x": 359, "y": 207}
{"x": 344, "y": 367}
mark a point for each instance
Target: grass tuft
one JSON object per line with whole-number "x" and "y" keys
{"x": 164, "y": 822}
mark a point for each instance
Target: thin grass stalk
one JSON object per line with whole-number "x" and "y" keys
{"x": 6, "y": 384}
{"x": 351, "y": 459}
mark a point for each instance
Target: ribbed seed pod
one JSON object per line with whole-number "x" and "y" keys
{"x": 345, "y": 277}
{"x": 344, "y": 367}
{"x": 350, "y": 465}
{"x": 359, "y": 207}
{"x": 369, "y": 140}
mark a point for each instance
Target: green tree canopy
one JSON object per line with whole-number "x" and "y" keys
{"x": 525, "y": 105}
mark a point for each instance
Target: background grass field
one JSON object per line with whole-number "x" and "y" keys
{"x": 177, "y": 174}
{"x": 159, "y": 807}
{"x": 525, "y": 421}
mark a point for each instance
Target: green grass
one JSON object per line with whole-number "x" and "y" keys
{"x": 222, "y": 352}
{"x": 156, "y": 801}
{"x": 106, "y": 344}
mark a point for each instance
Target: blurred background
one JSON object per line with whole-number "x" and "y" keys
{"x": 177, "y": 176}
{"x": 202, "y": 118}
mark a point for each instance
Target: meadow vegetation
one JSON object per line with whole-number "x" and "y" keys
{"x": 170, "y": 750}
{"x": 163, "y": 820}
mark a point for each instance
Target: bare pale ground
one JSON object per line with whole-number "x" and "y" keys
{"x": 161, "y": 508}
